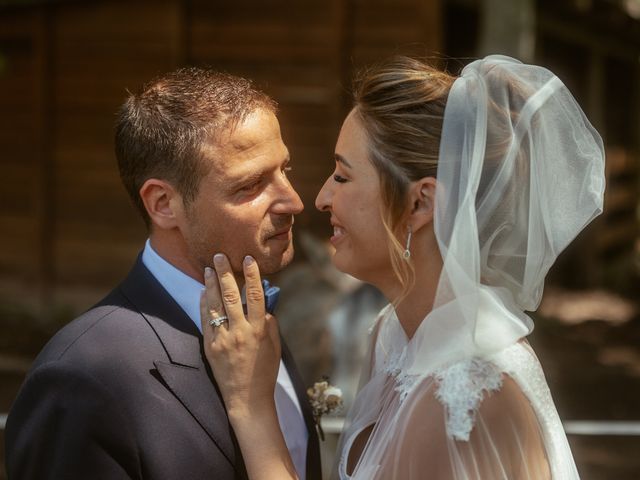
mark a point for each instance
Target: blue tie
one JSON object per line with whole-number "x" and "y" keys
{"x": 271, "y": 295}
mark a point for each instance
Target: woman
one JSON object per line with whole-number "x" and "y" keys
{"x": 453, "y": 196}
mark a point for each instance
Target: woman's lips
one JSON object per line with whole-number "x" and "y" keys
{"x": 338, "y": 234}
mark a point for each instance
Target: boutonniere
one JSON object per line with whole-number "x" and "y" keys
{"x": 325, "y": 399}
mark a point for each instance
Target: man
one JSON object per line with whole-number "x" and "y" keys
{"x": 124, "y": 391}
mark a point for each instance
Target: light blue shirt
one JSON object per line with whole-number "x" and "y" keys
{"x": 186, "y": 292}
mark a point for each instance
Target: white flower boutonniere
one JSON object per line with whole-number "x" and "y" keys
{"x": 325, "y": 399}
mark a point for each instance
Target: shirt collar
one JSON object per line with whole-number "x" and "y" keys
{"x": 184, "y": 289}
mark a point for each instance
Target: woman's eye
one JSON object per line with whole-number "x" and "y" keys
{"x": 286, "y": 170}
{"x": 339, "y": 179}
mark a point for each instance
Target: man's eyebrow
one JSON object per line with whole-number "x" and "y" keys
{"x": 246, "y": 179}
{"x": 340, "y": 159}
{"x": 254, "y": 175}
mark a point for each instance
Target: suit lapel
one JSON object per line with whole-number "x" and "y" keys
{"x": 198, "y": 395}
{"x": 185, "y": 374}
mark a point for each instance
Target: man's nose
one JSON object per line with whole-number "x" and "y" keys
{"x": 296, "y": 201}
{"x": 290, "y": 200}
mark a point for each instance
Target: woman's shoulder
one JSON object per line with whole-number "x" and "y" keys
{"x": 473, "y": 404}
{"x": 476, "y": 388}
{"x": 462, "y": 388}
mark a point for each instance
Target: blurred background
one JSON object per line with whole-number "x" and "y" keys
{"x": 69, "y": 234}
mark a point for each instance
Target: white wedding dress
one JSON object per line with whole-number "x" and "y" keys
{"x": 520, "y": 174}
{"x": 408, "y": 446}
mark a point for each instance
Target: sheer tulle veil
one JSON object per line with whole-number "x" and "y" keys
{"x": 520, "y": 174}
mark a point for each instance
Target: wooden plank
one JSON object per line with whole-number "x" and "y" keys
{"x": 137, "y": 23}
{"x": 95, "y": 262}
{"x": 382, "y": 29}
{"x": 286, "y": 12}
{"x": 282, "y": 45}
{"x": 20, "y": 244}
{"x": 21, "y": 193}
{"x": 621, "y": 199}
{"x": 619, "y": 161}
{"x": 102, "y": 49}
{"x": 17, "y": 195}
{"x": 622, "y": 235}
{"x": 567, "y": 30}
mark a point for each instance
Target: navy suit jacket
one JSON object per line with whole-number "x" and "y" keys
{"x": 124, "y": 392}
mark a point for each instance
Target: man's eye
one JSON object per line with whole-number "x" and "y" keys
{"x": 286, "y": 170}
{"x": 339, "y": 179}
{"x": 251, "y": 187}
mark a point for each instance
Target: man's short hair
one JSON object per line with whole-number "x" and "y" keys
{"x": 161, "y": 130}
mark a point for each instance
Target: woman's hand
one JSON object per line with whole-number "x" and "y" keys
{"x": 244, "y": 352}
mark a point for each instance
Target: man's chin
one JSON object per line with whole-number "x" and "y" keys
{"x": 271, "y": 264}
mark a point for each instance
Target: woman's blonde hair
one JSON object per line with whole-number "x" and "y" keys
{"x": 400, "y": 104}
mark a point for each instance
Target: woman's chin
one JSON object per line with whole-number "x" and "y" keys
{"x": 343, "y": 262}
{"x": 348, "y": 264}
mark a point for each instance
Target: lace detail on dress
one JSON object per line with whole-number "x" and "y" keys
{"x": 461, "y": 387}
{"x": 393, "y": 364}
{"x": 404, "y": 381}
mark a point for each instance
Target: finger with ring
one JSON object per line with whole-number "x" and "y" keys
{"x": 211, "y": 307}
{"x": 218, "y": 321}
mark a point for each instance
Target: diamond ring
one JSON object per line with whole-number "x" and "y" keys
{"x": 218, "y": 321}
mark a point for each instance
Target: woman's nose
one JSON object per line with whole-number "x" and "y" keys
{"x": 323, "y": 200}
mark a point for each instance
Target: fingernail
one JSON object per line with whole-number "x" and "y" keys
{"x": 208, "y": 271}
{"x": 218, "y": 259}
{"x": 248, "y": 260}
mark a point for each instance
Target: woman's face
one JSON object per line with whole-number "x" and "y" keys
{"x": 352, "y": 196}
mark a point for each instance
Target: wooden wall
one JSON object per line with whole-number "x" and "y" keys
{"x": 69, "y": 231}
{"x": 595, "y": 50}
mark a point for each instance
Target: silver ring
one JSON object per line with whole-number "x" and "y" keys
{"x": 218, "y": 321}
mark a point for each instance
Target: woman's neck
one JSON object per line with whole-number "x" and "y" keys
{"x": 418, "y": 302}
{"x": 412, "y": 311}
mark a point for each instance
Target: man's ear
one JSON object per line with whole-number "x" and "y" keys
{"x": 162, "y": 202}
{"x": 422, "y": 196}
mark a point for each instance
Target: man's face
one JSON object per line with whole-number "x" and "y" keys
{"x": 245, "y": 205}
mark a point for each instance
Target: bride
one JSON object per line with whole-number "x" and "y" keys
{"x": 454, "y": 197}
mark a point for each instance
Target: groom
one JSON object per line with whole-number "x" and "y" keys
{"x": 124, "y": 392}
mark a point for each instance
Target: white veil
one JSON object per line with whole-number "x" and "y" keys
{"x": 520, "y": 174}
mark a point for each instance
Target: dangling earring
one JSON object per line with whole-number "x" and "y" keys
{"x": 407, "y": 252}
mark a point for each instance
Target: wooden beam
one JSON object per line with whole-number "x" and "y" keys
{"x": 46, "y": 203}
{"x": 572, "y": 33}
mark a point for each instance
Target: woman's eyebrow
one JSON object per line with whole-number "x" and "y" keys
{"x": 340, "y": 159}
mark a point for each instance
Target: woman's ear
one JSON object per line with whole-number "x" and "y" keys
{"x": 422, "y": 196}
{"x": 162, "y": 202}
